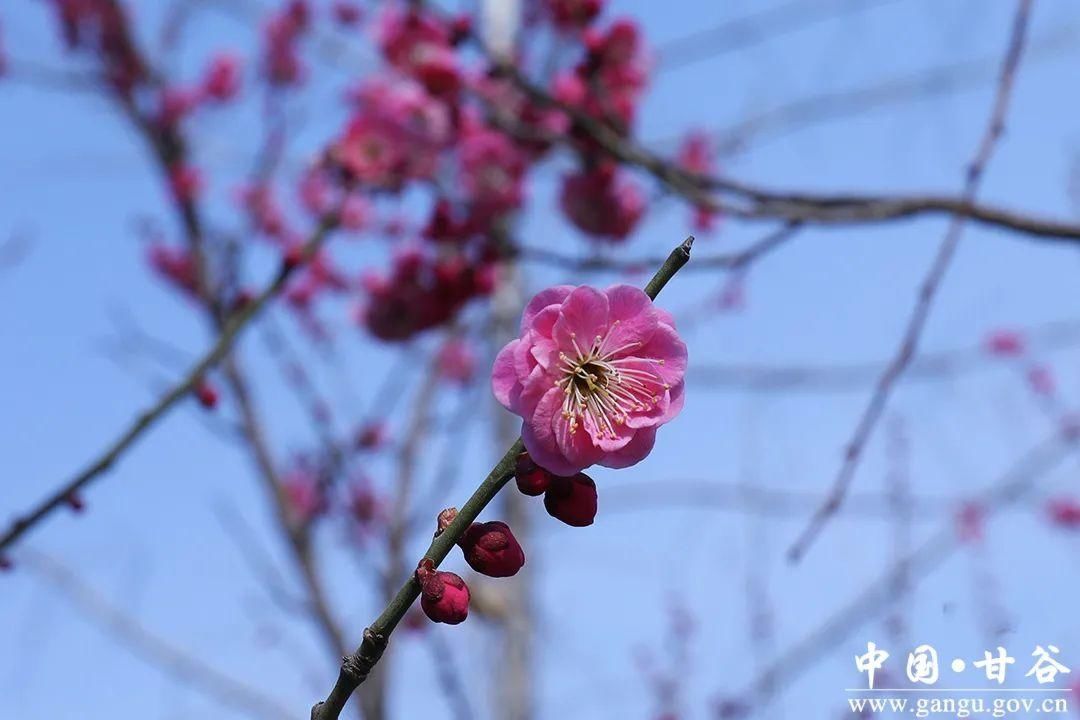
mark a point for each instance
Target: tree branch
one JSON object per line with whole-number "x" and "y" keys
{"x": 356, "y": 667}
{"x": 750, "y": 202}
{"x": 928, "y": 290}
{"x": 1010, "y": 488}
{"x": 231, "y": 329}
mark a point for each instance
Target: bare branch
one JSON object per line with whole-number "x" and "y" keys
{"x": 750, "y": 202}
{"x": 1013, "y": 486}
{"x": 928, "y": 290}
{"x": 231, "y": 329}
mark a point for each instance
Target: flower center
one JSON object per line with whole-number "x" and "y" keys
{"x": 602, "y": 390}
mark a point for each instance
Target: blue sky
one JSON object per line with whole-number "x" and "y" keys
{"x": 76, "y": 181}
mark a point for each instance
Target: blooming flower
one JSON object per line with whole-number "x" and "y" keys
{"x": 593, "y": 375}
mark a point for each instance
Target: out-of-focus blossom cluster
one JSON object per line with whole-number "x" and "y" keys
{"x": 435, "y": 126}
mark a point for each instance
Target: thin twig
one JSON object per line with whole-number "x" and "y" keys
{"x": 1011, "y": 487}
{"x": 732, "y": 262}
{"x": 746, "y": 31}
{"x": 751, "y": 202}
{"x": 230, "y": 331}
{"x": 356, "y": 667}
{"x": 928, "y": 290}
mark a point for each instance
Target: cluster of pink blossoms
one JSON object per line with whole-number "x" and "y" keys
{"x": 421, "y": 291}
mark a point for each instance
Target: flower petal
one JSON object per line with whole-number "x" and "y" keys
{"x": 503, "y": 375}
{"x": 634, "y": 452}
{"x": 538, "y": 435}
{"x": 552, "y": 296}
{"x": 666, "y": 345}
{"x": 633, "y": 320}
{"x": 583, "y": 317}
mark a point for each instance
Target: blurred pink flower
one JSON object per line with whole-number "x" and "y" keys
{"x": 1064, "y": 512}
{"x": 602, "y": 202}
{"x": 573, "y": 14}
{"x": 457, "y": 361}
{"x": 1004, "y": 343}
{"x": 593, "y": 375}
{"x": 221, "y": 82}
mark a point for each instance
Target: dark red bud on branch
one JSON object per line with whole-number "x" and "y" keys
{"x": 444, "y": 596}
{"x": 75, "y": 502}
{"x": 293, "y": 257}
{"x": 491, "y": 549}
{"x": 572, "y": 499}
{"x": 531, "y": 478}
{"x": 206, "y": 394}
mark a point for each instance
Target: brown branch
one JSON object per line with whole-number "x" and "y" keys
{"x": 231, "y": 329}
{"x": 750, "y": 202}
{"x": 179, "y": 664}
{"x": 928, "y": 290}
{"x": 356, "y": 667}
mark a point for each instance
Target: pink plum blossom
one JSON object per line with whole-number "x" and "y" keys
{"x": 593, "y": 375}
{"x": 602, "y": 202}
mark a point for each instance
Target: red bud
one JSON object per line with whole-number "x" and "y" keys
{"x": 572, "y": 499}
{"x": 491, "y": 549}
{"x": 206, "y": 394}
{"x": 75, "y": 502}
{"x": 444, "y": 596}
{"x": 531, "y": 478}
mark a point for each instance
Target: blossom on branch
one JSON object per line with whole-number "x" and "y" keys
{"x": 593, "y": 375}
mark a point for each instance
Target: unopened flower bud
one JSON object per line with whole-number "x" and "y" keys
{"x": 531, "y": 478}
{"x": 491, "y": 549}
{"x": 75, "y": 502}
{"x": 445, "y": 518}
{"x": 206, "y": 394}
{"x": 572, "y": 499}
{"x": 444, "y": 596}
